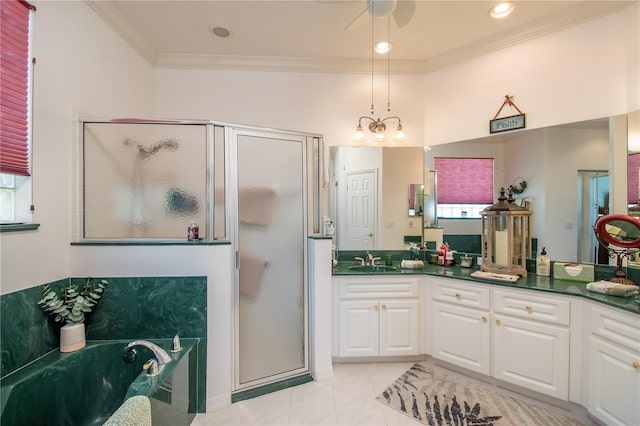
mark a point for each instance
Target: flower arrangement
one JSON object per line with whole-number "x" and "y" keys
{"x": 72, "y": 305}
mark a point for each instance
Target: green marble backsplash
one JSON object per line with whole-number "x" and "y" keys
{"x": 132, "y": 308}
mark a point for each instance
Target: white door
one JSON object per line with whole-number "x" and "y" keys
{"x": 361, "y": 210}
{"x": 614, "y": 384}
{"x": 462, "y": 337}
{"x": 358, "y": 328}
{"x": 399, "y": 327}
{"x": 532, "y": 355}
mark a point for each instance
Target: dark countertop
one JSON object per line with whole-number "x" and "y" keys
{"x": 531, "y": 281}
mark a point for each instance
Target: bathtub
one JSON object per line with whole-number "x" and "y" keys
{"x": 87, "y": 386}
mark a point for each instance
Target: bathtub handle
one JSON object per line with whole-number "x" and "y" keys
{"x": 152, "y": 367}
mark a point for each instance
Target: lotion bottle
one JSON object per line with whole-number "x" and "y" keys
{"x": 543, "y": 264}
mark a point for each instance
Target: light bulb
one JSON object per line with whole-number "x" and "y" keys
{"x": 382, "y": 47}
{"x": 359, "y": 136}
{"x": 501, "y": 10}
{"x": 379, "y": 137}
{"x": 400, "y": 137}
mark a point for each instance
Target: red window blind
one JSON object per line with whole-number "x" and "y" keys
{"x": 633, "y": 164}
{"x": 464, "y": 180}
{"x": 14, "y": 86}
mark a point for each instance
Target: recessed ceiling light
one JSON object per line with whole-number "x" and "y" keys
{"x": 502, "y": 9}
{"x": 382, "y": 47}
{"x": 220, "y": 31}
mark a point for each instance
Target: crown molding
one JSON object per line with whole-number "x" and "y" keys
{"x": 582, "y": 12}
{"x": 579, "y": 14}
{"x": 122, "y": 26}
{"x": 286, "y": 64}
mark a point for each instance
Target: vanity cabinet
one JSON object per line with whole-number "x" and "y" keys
{"x": 514, "y": 336}
{"x": 614, "y": 366}
{"x": 460, "y": 324}
{"x": 531, "y": 341}
{"x": 377, "y": 316}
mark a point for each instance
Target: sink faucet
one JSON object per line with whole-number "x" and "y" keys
{"x": 160, "y": 354}
{"x": 371, "y": 259}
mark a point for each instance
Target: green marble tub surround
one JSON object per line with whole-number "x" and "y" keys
{"x": 68, "y": 388}
{"x": 26, "y": 332}
{"x": 88, "y": 386}
{"x": 132, "y": 308}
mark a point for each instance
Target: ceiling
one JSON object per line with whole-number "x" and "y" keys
{"x": 310, "y": 35}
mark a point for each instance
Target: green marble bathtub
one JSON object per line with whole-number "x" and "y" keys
{"x": 87, "y": 386}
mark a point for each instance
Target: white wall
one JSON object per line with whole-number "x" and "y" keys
{"x": 585, "y": 72}
{"x": 83, "y": 68}
{"x": 328, "y": 104}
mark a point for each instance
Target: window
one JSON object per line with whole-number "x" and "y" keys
{"x": 15, "y": 108}
{"x": 465, "y": 186}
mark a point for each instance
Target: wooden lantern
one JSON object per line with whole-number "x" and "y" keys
{"x": 505, "y": 237}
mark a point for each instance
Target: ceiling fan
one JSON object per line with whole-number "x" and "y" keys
{"x": 402, "y": 11}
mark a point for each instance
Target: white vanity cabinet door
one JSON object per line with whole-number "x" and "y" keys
{"x": 531, "y": 354}
{"x": 614, "y": 367}
{"x": 399, "y": 327}
{"x": 358, "y": 321}
{"x": 462, "y": 336}
{"x": 614, "y": 383}
{"x": 377, "y": 316}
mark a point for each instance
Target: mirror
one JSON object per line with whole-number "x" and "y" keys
{"x": 416, "y": 199}
{"x": 368, "y": 196}
{"x": 566, "y": 197}
{"x": 618, "y": 230}
{"x": 633, "y": 163}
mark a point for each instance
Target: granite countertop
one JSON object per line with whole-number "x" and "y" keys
{"x": 531, "y": 281}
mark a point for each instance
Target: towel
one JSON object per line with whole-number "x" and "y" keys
{"x": 613, "y": 289}
{"x": 251, "y": 271}
{"x": 135, "y": 411}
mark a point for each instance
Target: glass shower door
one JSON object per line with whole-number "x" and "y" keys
{"x": 271, "y": 321}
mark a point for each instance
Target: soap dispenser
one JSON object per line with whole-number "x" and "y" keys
{"x": 543, "y": 264}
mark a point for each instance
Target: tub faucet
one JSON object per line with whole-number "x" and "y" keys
{"x": 160, "y": 354}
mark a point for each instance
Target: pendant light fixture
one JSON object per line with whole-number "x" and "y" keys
{"x": 378, "y": 126}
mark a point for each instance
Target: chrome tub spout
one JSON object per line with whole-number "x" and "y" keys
{"x": 160, "y": 354}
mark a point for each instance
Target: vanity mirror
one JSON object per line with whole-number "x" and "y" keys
{"x": 567, "y": 169}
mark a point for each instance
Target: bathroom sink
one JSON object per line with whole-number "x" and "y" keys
{"x": 372, "y": 268}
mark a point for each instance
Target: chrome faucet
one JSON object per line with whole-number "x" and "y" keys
{"x": 160, "y": 354}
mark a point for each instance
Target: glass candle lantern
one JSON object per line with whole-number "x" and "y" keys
{"x": 505, "y": 237}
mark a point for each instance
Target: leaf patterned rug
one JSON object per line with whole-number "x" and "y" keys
{"x": 434, "y": 396}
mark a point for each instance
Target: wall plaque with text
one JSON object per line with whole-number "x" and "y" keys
{"x": 507, "y": 123}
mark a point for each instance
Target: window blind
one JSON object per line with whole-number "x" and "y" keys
{"x": 633, "y": 164}
{"x": 14, "y": 86}
{"x": 464, "y": 180}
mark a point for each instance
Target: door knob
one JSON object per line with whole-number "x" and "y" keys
{"x": 498, "y": 322}
{"x": 384, "y": 306}
{"x": 484, "y": 319}
{"x": 529, "y": 309}
{"x": 371, "y": 234}
{"x": 636, "y": 365}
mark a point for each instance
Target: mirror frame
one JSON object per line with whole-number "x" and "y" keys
{"x": 605, "y": 237}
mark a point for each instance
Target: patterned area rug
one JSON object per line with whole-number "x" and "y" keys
{"x": 434, "y": 396}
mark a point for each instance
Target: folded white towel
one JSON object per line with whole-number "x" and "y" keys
{"x": 613, "y": 289}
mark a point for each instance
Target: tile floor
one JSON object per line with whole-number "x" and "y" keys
{"x": 347, "y": 399}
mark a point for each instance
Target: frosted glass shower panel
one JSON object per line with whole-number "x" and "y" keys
{"x": 144, "y": 180}
{"x": 271, "y": 232}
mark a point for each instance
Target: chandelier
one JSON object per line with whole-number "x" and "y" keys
{"x": 378, "y": 126}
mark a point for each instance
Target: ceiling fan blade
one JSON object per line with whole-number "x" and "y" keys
{"x": 404, "y": 11}
{"x": 358, "y": 21}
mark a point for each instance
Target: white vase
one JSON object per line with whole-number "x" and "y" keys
{"x": 72, "y": 337}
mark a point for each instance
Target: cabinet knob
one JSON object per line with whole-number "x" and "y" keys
{"x": 529, "y": 309}
{"x": 384, "y": 306}
{"x": 484, "y": 319}
{"x": 458, "y": 296}
{"x": 636, "y": 365}
{"x": 498, "y": 322}
{"x": 375, "y": 307}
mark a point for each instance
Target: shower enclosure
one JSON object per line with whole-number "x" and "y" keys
{"x": 259, "y": 188}
{"x": 272, "y": 194}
